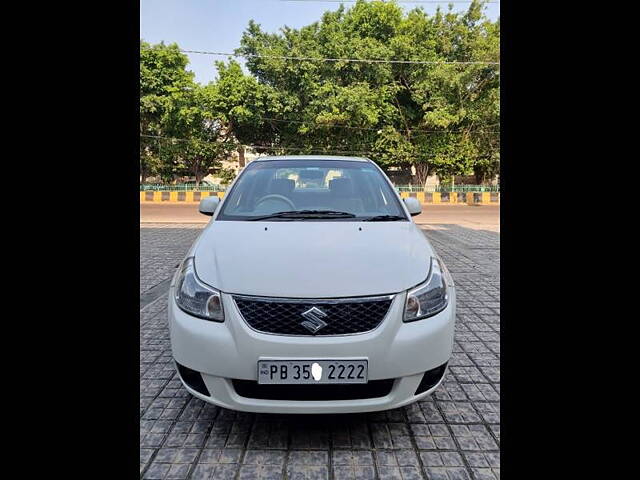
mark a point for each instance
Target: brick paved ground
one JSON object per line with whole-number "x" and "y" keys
{"x": 454, "y": 434}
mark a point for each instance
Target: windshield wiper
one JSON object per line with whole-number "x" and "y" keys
{"x": 384, "y": 218}
{"x": 306, "y": 214}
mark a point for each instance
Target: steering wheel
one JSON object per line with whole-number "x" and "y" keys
{"x": 275, "y": 196}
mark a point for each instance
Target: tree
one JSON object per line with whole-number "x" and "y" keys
{"x": 205, "y": 138}
{"x": 163, "y": 76}
{"x": 245, "y": 105}
{"x": 227, "y": 175}
{"x": 181, "y": 131}
{"x": 149, "y": 157}
{"x": 437, "y": 118}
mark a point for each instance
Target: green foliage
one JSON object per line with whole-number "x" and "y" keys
{"x": 192, "y": 117}
{"x": 434, "y": 118}
{"x": 173, "y": 105}
{"x": 441, "y": 118}
{"x": 163, "y": 76}
{"x": 227, "y": 175}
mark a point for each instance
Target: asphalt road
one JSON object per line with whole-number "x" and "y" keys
{"x": 485, "y": 217}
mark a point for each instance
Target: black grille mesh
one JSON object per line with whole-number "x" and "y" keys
{"x": 285, "y": 318}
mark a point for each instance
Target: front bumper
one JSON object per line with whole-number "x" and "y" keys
{"x": 222, "y": 352}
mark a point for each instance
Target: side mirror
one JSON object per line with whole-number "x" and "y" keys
{"x": 208, "y": 205}
{"x": 413, "y": 205}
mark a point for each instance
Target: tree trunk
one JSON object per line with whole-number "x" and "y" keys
{"x": 241, "y": 162}
{"x": 422, "y": 173}
{"x": 198, "y": 176}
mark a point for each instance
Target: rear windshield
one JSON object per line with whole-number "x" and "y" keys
{"x": 269, "y": 187}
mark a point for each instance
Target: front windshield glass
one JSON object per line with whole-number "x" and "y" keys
{"x": 311, "y": 189}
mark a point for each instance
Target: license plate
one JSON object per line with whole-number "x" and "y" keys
{"x": 312, "y": 371}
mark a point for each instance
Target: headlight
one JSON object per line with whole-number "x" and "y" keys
{"x": 196, "y": 298}
{"x": 429, "y": 298}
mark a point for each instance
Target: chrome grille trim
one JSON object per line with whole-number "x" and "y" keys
{"x": 255, "y": 298}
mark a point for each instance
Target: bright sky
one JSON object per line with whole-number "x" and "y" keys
{"x": 217, "y": 25}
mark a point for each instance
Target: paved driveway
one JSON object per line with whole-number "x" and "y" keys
{"x": 454, "y": 434}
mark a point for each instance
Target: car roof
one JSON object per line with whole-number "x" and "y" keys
{"x": 312, "y": 157}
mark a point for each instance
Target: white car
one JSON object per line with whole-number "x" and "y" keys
{"x": 311, "y": 290}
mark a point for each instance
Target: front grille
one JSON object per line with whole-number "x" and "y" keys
{"x": 341, "y": 316}
{"x": 323, "y": 392}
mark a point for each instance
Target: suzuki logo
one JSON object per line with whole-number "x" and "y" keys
{"x": 314, "y": 321}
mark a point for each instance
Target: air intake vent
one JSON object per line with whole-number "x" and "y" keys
{"x": 373, "y": 389}
{"x": 431, "y": 378}
{"x": 193, "y": 379}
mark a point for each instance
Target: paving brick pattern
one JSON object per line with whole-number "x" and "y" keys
{"x": 161, "y": 247}
{"x": 454, "y": 434}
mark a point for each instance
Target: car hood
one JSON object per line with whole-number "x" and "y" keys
{"x": 312, "y": 259}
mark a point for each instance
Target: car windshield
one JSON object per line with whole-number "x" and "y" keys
{"x": 290, "y": 190}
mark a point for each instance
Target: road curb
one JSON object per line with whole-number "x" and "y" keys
{"x": 455, "y": 198}
{"x": 435, "y": 198}
{"x": 176, "y": 197}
